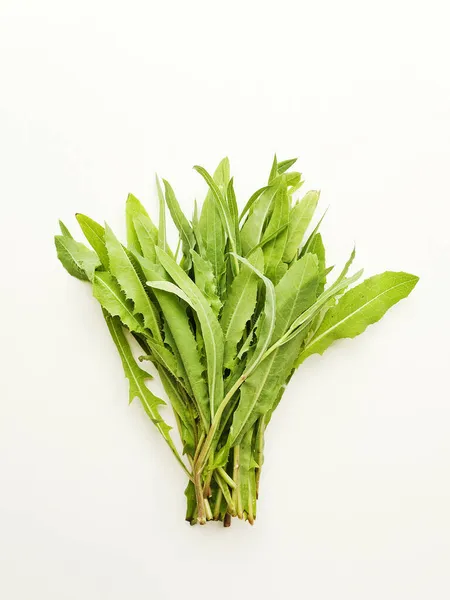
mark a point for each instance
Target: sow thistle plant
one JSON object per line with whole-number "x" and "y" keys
{"x": 225, "y": 320}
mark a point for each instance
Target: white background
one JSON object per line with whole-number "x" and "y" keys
{"x": 96, "y": 97}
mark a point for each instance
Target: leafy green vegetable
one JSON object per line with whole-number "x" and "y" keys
{"x": 124, "y": 271}
{"x": 95, "y": 235}
{"x": 226, "y": 325}
{"x": 78, "y": 260}
{"x": 360, "y": 307}
{"x": 299, "y": 220}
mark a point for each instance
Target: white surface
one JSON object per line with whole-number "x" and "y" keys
{"x": 95, "y": 97}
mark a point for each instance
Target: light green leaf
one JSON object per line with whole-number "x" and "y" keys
{"x": 268, "y": 239}
{"x": 147, "y": 236}
{"x": 133, "y": 208}
{"x": 234, "y": 212}
{"x": 307, "y": 245}
{"x": 164, "y": 357}
{"x": 316, "y": 247}
{"x": 299, "y": 220}
{"x": 274, "y": 170}
{"x": 95, "y": 235}
{"x": 213, "y": 236}
{"x": 168, "y": 286}
{"x": 197, "y": 232}
{"x": 64, "y": 231}
{"x": 182, "y": 340}
{"x": 284, "y": 165}
{"x": 252, "y": 230}
{"x": 181, "y": 223}
{"x": 211, "y": 330}
{"x": 221, "y": 204}
{"x": 347, "y": 266}
{"x": 76, "y": 258}
{"x": 222, "y": 175}
{"x": 264, "y": 388}
{"x": 360, "y": 307}
{"x": 179, "y": 405}
{"x": 110, "y": 295}
{"x": 295, "y": 293}
{"x": 274, "y": 250}
{"x": 239, "y": 307}
{"x": 245, "y": 460}
{"x": 124, "y": 271}
{"x": 210, "y": 225}
{"x": 137, "y": 377}
{"x": 253, "y": 198}
{"x": 206, "y": 281}
{"x": 304, "y": 321}
{"x": 162, "y": 242}
{"x": 266, "y": 323}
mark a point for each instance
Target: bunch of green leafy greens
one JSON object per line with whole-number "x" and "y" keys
{"x": 227, "y": 323}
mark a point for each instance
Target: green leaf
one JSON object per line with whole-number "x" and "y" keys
{"x": 347, "y": 266}
{"x": 239, "y": 307}
{"x": 78, "y": 260}
{"x": 221, "y": 204}
{"x": 316, "y": 247}
{"x": 110, "y": 295}
{"x": 124, "y": 271}
{"x": 147, "y": 236}
{"x": 360, "y": 307}
{"x": 234, "y": 212}
{"x": 210, "y": 224}
{"x": 178, "y": 403}
{"x": 181, "y": 223}
{"x": 295, "y": 293}
{"x": 252, "y": 230}
{"x": 245, "y": 460}
{"x": 65, "y": 232}
{"x": 266, "y": 325}
{"x": 211, "y": 330}
{"x": 222, "y": 174}
{"x": 299, "y": 220}
{"x": 265, "y": 386}
{"x": 137, "y": 377}
{"x": 168, "y": 286}
{"x": 162, "y": 241}
{"x": 307, "y": 245}
{"x": 284, "y": 165}
{"x": 133, "y": 208}
{"x": 206, "y": 281}
{"x": 268, "y": 239}
{"x": 213, "y": 236}
{"x": 197, "y": 232}
{"x": 274, "y": 170}
{"x": 305, "y": 320}
{"x": 274, "y": 250}
{"x": 164, "y": 357}
{"x": 182, "y": 340}
{"x": 253, "y": 198}
{"x": 95, "y": 235}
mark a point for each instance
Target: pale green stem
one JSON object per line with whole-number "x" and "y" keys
{"x": 208, "y": 511}
{"x": 226, "y": 494}
{"x": 224, "y": 475}
{"x": 218, "y": 505}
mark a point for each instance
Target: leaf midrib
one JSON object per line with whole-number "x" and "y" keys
{"x": 339, "y": 323}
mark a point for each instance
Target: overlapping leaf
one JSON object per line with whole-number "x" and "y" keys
{"x": 211, "y": 331}
{"x": 124, "y": 271}
{"x": 76, "y": 258}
